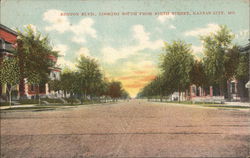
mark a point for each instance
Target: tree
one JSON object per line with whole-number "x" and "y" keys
{"x": 232, "y": 59}
{"x": 69, "y": 82}
{"x": 35, "y": 79}
{"x": 10, "y": 74}
{"x": 242, "y": 69}
{"x": 55, "y": 85}
{"x": 176, "y": 65}
{"x": 197, "y": 74}
{"x": 124, "y": 94}
{"x": 215, "y": 47}
{"x": 35, "y": 56}
{"x": 115, "y": 89}
{"x": 242, "y": 73}
{"x": 90, "y": 76}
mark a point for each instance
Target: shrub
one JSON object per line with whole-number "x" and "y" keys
{"x": 71, "y": 100}
{"x": 29, "y": 101}
{"x": 5, "y": 103}
{"x": 52, "y": 100}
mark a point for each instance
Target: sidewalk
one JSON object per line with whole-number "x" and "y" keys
{"x": 241, "y": 104}
{"x": 16, "y": 106}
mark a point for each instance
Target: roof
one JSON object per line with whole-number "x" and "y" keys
{"x": 8, "y": 29}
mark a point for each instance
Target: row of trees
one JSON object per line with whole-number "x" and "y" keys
{"x": 87, "y": 82}
{"x": 32, "y": 61}
{"x": 180, "y": 69}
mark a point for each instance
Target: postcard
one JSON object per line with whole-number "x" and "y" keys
{"x": 124, "y": 78}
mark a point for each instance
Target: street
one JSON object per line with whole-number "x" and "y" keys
{"x": 127, "y": 129}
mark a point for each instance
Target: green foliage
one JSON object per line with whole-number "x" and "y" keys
{"x": 52, "y": 100}
{"x": 72, "y": 100}
{"x": 90, "y": 75}
{"x": 115, "y": 89}
{"x": 242, "y": 71}
{"x": 55, "y": 85}
{"x": 70, "y": 82}
{"x": 34, "y": 52}
{"x": 232, "y": 59}
{"x": 10, "y": 74}
{"x": 5, "y": 104}
{"x": 222, "y": 62}
{"x": 87, "y": 81}
{"x": 177, "y": 64}
{"x": 9, "y": 71}
{"x": 124, "y": 94}
{"x": 29, "y": 101}
{"x": 215, "y": 47}
{"x": 198, "y": 75}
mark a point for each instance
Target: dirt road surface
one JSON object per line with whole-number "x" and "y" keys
{"x": 127, "y": 129}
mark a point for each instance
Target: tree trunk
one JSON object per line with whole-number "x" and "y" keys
{"x": 85, "y": 95}
{"x": 65, "y": 94}
{"x": 10, "y": 95}
{"x": 221, "y": 89}
{"x": 38, "y": 93}
{"x": 229, "y": 97}
{"x": 179, "y": 98}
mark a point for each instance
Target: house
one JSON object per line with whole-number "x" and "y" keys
{"x": 8, "y": 39}
{"x": 8, "y": 44}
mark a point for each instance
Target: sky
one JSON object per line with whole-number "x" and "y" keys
{"x": 126, "y": 37}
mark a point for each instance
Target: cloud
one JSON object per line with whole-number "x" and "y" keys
{"x": 83, "y": 52}
{"x": 61, "y": 48}
{"x": 127, "y": 77}
{"x": 78, "y": 39}
{"x": 61, "y": 61}
{"x": 140, "y": 65}
{"x": 165, "y": 18}
{"x": 140, "y": 72}
{"x": 172, "y": 27}
{"x": 137, "y": 69}
{"x": 135, "y": 85}
{"x": 202, "y": 31}
{"x": 65, "y": 63}
{"x": 140, "y": 34}
{"x": 197, "y": 49}
{"x": 62, "y": 24}
{"x": 84, "y": 27}
{"x": 58, "y": 23}
{"x": 142, "y": 78}
{"x": 111, "y": 55}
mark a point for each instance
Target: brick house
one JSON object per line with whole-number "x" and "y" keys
{"x": 8, "y": 39}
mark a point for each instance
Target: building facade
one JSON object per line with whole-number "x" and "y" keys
{"x": 8, "y": 39}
